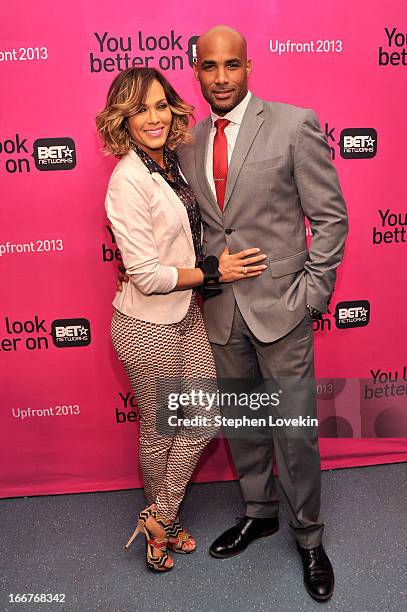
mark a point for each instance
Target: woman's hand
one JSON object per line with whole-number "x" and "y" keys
{"x": 239, "y": 266}
{"x": 121, "y": 277}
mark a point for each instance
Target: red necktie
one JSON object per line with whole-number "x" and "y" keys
{"x": 220, "y": 160}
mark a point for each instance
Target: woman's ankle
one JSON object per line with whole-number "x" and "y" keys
{"x": 162, "y": 517}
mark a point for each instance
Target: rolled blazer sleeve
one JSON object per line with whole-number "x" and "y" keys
{"x": 324, "y": 206}
{"x": 128, "y": 210}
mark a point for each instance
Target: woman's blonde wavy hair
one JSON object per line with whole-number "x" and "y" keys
{"x": 126, "y": 95}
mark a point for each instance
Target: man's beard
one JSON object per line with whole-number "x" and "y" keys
{"x": 222, "y": 110}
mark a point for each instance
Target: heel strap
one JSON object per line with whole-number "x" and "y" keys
{"x": 175, "y": 529}
{"x": 145, "y": 515}
{"x": 160, "y": 545}
{"x": 161, "y": 522}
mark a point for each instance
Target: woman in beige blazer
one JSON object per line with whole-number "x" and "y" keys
{"x": 157, "y": 327}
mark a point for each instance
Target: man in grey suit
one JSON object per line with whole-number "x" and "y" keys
{"x": 278, "y": 171}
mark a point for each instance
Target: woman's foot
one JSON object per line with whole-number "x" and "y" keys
{"x": 179, "y": 540}
{"x": 158, "y": 534}
{"x": 188, "y": 545}
{"x": 154, "y": 528}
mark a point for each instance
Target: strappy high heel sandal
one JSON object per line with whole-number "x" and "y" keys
{"x": 157, "y": 563}
{"x": 175, "y": 530}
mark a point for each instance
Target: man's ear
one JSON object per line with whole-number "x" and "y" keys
{"x": 248, "y": 67}
{"x": 195, "y": 68}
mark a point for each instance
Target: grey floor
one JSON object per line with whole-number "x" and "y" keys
{"x": 73, "y": 544}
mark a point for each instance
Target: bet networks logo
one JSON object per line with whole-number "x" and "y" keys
{"x": 70, "y": 332}
{"x": 352, "y": 314}
{"x": 48, "y": 154}
{"x": 192, "y": 50}
{"x": 358, "y": 143}
{"x": 54, "y": 154}
{"x": 32, "y": 334}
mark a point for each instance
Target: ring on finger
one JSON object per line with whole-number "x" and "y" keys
{"x": 244, "y": 270}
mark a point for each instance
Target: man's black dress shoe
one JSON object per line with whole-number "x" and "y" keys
{"x": 237, "y": 538}
{"x": 318, "y": 572}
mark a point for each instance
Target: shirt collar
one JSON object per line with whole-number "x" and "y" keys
{"x": 236, "y": 114}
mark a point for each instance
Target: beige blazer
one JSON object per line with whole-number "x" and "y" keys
{"x": 152, "y": 230}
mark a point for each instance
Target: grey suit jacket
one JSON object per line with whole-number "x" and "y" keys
{"x": 280, "y": 171}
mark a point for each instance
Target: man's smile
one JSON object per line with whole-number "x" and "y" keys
{"x": 223, "y": 94}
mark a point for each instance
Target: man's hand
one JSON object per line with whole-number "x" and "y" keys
{"x": 122, "y": 277}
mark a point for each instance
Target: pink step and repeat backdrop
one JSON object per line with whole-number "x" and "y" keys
{"x": 69, "y": 421}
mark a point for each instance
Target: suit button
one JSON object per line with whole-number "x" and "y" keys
{"x": 228, "y": 231}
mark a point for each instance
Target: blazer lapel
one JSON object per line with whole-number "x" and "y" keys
{"x": 176, "y": 203}
{"x": 201, "y": 137}
{"x": 171, "y": 196}
{"x": 251, "y": 123}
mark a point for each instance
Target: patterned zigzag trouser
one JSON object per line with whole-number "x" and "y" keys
{"x": 150, "y": 352}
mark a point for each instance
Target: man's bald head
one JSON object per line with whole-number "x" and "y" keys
{"x": 222, "y": 67}
{"x": 212, "y": 36}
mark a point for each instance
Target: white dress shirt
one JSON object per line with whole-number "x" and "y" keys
{"x": 235, "y": 117}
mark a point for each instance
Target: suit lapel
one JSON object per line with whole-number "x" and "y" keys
{"x": 201, "y": 137}
{"x": 251, "y": 123}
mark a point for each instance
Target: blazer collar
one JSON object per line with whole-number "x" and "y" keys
{"x": 131, "y": 153}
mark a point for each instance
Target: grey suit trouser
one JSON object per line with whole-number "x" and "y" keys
{"x": 297, "y": 457}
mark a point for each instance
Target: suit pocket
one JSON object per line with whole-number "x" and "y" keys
{"x": 288, "y": 265}
{"x": 265, "y": 164}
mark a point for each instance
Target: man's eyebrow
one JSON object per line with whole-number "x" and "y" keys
{"x": 210, "y": 62}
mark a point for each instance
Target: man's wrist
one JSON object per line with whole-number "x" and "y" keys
{"x": 313, "y": 312}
